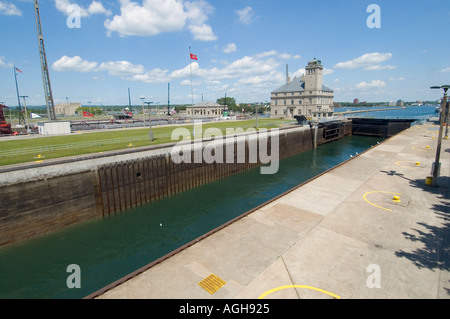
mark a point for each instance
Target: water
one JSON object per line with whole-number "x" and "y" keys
{"x": 106, "y": 249}
{"x": 409, "y": 112}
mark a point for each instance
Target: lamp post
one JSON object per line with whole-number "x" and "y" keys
{"x": 441, "y": 126}
{"x": 150, "y": 133}
{"x": 256, "y": 109}
{"x": 143, "y": 108}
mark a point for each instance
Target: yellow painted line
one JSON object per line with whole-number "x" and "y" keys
{"x": 422, "y": 148}
{"x": 410, "y": 167}
{"x": 425, "y": 129}
{"x": 268, "y": 292}
{"x": 365, "y": 198}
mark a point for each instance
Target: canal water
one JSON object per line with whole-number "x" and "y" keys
{"x": 107, "y": 249}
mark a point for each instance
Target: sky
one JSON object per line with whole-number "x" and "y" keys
{"x": 97, "y": 50}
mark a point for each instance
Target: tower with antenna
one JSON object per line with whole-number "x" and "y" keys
{"x": 45, "y": 76}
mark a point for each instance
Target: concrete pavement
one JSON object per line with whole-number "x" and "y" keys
{"x": 341, "y": 235}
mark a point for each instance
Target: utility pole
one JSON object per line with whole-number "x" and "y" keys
{"x": 168, "y": 99}
{"x": 18, "y": 96}
{"x": 45, "y": 76}
{"x": 441, "y": 128}
{"x": 143, "y": 109}
{"x": 150, "y": 132}
{"x": 26, "y": 113}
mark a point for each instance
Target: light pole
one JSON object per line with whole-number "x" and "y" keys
{"x": 26, "y": 115}
{"x": 143, "y": 114}
{"x": 441, "y": 126}
{"x": 256, "y": 109}
{"x": 150, "y": 133}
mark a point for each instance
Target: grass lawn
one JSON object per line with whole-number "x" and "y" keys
{"x": 114, "y": 139}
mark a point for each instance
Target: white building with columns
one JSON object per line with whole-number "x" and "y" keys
{"x": 304, "y": 96}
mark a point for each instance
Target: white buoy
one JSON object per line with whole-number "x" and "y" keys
{"x": 160, "y": 225}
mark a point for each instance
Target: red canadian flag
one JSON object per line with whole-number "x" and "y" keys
{"x": 87, "y": 114}
{"x": 193, "y": 56}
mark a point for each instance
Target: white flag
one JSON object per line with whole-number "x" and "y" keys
{"x": 34, "y": 116}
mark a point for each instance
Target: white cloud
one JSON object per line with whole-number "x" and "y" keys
{"x": 260, "y": 71}
{"x": 155, "y": 76}
{"x": 368, "y": 61}
{"x": 379, "y": 67}
{"x": 68, "y": 8}
{"x": 121, "y": 68}
{"x": 9, "y": 9}
{"x": 287, "y": 56}
{"x": 283, "y": 56}
{"x": 152, "y": 18}
{"x": 202, "y": 32}
{"x": 75, "y": 63}
{"x": 197, "y": 15}
{"x": 3, "y": 64}
{"x": 262, "y": 79}
{"x": 327, "y": 71}
{"x": 245, "y": 15}
{"x": 266, "y": 54}
{"x": 159, "y": 16}
{"x": 298, "y": 73}
{"x": 96, "y": 7}
{"x": 445, "y": 70}
{"x": 373, "y": 84}
{"x": 397, "y": 79}
{"x": 230, "y": 48}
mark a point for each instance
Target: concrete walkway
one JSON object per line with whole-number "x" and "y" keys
{"x": 339, "y": 236}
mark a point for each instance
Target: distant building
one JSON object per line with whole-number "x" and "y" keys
{"x": 67, "y": 109}
{"x": 400, "y": 103}
{"x": 205, "y": 109}
{"x": 356, "y": 101}
{"x": 391, "y": 103}
{"x": 304, "y": 96}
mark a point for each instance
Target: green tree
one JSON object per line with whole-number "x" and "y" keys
{"x": 230, "y": 101}
{"x": 248, "y": 108}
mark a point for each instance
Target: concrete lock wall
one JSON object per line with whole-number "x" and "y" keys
{"x": 43, "y": 199}
{"x": 31, "y": 208}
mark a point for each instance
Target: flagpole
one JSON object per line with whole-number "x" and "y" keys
{"x": 18, "y": 96}
{"x": 190, "y": 67}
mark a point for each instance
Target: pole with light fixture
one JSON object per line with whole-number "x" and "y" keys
{"x": 150, "y": 132}
{"x": 441, "y": 126}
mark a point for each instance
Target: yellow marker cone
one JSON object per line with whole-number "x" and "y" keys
{"x": 396, "y": 198}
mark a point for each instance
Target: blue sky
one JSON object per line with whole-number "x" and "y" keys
{"x": 242, "y": 48}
